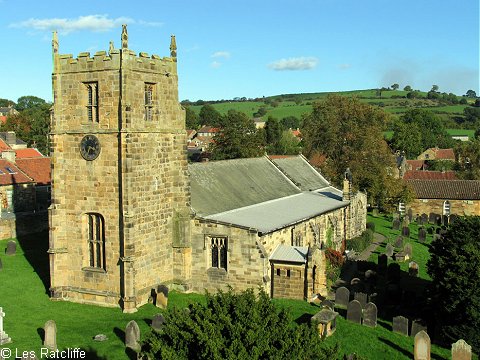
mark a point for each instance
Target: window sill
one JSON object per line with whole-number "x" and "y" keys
{"x": 95, "y": 270}
{"x": 216, "y": 271}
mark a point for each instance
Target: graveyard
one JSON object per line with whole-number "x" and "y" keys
{"x": 28, "y": 308}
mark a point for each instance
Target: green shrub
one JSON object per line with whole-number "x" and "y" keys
{"x": 361, "y": 242}
{"x": 234, "y": 326}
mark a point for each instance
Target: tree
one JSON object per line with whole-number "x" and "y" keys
{"x": 6, "y": 103}
{"x": 407, "y": 88}
{"x": 191, "y": 118}
{"x": 238, "y": 138}
{"x": 235, "y": 326}
{"x": 210, "y": 116}
{"x": 290, "y": 122}
{"x": 468, "y": 155}
{"x": 471, "y": 94}
{"x": 407, "y": 138}
{"x": 454, "y": 267}
{"x": 434, "y": 88}
{"x": 395, "y": 86}
{"x": 273, "y": 133}
{"x": 472, "y": 114}
{"x": 288, "y": 144}
{"x": 349, "y": 134}
{"x": 28, "y": 102}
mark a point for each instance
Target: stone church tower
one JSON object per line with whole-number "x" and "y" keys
{"x": 120, "y": 193}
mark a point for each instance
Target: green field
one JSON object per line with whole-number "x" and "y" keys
{"x": 452, "y": 132}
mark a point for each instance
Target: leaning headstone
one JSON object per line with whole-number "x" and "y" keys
{"x": 370, "y": 315}
{"x": 50, "y": 340}
{"x": 396, "y": 224}
{"x": 11, "y": 248}
{"x": 132, "y": 336}
{"x": 354, "y": 311}
{"x": 399, "y": 242}
{"x": 361, "y": 298}
{"x": 406, "y": 231}
{"x": 461, "y": 350}
{"x": 400, "y": 325}
{"x": 382, "y": 263}
{"x": 157, "y": 322}
{"x": 4, "y": 338}
{"x": 422, "y": 345}
{"x": 389, "y": 250}
{"x": 408, "y": 250}
{"x": 422, "y": 235}
{"x": 162, "y": 296}
{"x": 417, "y": 326}
{"x": 342, "y": 297}
{"x": 413, "y": 268}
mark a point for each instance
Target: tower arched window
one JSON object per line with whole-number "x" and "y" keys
{"x": 96, "y": 241}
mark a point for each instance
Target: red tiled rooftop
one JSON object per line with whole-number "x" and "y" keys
{"x": 429, "y": 175}
{"x": 37, "y": 168}
{"x": 208, "y": 129}
{"x": 4, "y": 146}
{"x": 416, "y": 164}
{"x": 27, "y": 153}
{"x": 6, "y": 176}
{"x": 444, "y": 154}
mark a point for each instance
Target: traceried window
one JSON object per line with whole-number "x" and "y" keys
{"x": 401, "y": 208}
{"x": 92, "y": 101}
{"x": 446, "y": 208}
{"x": 149, "y": 108}
{"x": 219, "y": 247}
{"x": 96, "y": 240}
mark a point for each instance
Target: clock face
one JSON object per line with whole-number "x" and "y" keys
{"x": 90, "y": 147}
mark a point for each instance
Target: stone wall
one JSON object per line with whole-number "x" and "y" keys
{"x": 288, "y": 281}
{"x": 15, "y": 225}
{"x": 457, "y": 207}
{"x": 357, "y": 214}
{"x": 17, "y": 197}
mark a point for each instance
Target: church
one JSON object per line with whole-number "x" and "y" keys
{"x": 129, "y": 213}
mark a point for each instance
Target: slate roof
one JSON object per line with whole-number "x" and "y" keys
{"x": 285, "y": 253}
{"x": 446, "y": 189}
{"x": 429, "y": 175}
{"x": 276, "y": 214}
{"x": 219, "y": 186}
{"x": 36, "y": 168}
{"x": 297, "y": 169}
{"x": 15, "y": 176}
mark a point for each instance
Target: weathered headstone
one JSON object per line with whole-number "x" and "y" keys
{"x": 370, "y": 315}
{"x": 399, "y": 241}
{"x": 401, "y": 256}
{"x": 342, "y": 297}
{"x": 422, "y": 345}
{"x": 327, "y": 304}
{"x": 162, "y": 296}
{"x": 389, "y": 250}
{"x": 432, "y": 218}
{"x": 356, "y": 285}
{"x": 50, "y": 340}
{"x": 4, "y": 338}
{"x": 354, "y": 311}
{"x": 400, "y": 325}
{"x": 396, "y": 224}
{"x": 394, "y": 272}
{"x": 438, "y": 219}
{"x": 461, "y": 350}
{"x": 417, "y": 326}
{"x": 382, "y": 263}
{"x": 424, "y": 219}
{"x": 157, "y": 322}
{"x": 408, "y": 250}
{"x": 132, "y": 336}
{"x": 413, "y": 268}
{"x": 445, "y": 220}
{"x": 410, "y": 215}
{"x": 422, "y": 235}
{"x": 406, "y": 231}
{"x": 11, "y": 248}
{"x": 375, "y": 212}
{"x": 361, "y": 298}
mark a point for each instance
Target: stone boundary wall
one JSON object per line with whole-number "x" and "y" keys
{"x": 14, "y": 225}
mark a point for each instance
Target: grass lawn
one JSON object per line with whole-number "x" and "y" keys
{"x": 25, "y": 301}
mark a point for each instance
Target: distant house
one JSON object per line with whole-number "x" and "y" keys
{"x": 207, "y": 131}
{"x": 191, "y": 133}
{"x": 461, "y": 137}
{"x": 416, "y": 165}
{"x": 6, "y": 111}
{"x": 259, "y": 123}
{"x": 17, "y": 190}
{"x": 437, "y": 154}
{"x": 296, "y": 133}
{"x": 10, "y": 138}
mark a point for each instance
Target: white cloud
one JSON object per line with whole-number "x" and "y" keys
{"x": 96, "y": 23}
{"x": 292, "y": 64}
{"x": 221, "y": 54}
{"x": 150, "y": 23}
{"x": 215, "y": 64}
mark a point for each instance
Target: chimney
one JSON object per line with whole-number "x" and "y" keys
{"x": 9, "y": 155}
{"x": 10, "y": 138}
{"x": 347, "y": 185}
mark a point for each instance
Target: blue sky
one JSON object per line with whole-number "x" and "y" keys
{"x": 249, "y": 48}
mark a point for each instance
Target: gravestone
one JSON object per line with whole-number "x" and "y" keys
{"x": 356, "y": 285}
{"x": 413, "y": 268}
{"x": 445, "y": 220}
{"x": 399, "y": 242}
{"x": 432, "y": 218}
{"x": 400, "y": 325}
{"x": 354, "y": 311}
{"x": 370, "y": 315}
{"x": 132, "y": 336}
{"x": 4, "y": 338}
{"x": 401, "y": 256}
{"x": 417, "y": 326}
{"x": 382, "y": 263}
{"x": 375, "y": 212}
{"x": 361, "y": 298}
{"x": 396, "y": 224}
{"x": 369, "y": 275}
{"x": 408, "y": 250}
{"x": 422, "y": 235}
{"x": 11, "y": 248}
{"x": 406, "y": 231}
{"x": 421, "y": 350}
{"x": 461, "y": 350}
{"x": 342, "y": 297}
{"x": 424, "y": 219}
{"x": 389, "y": 250}
{"x": 410, "y": 215}
{"x": 327, "y": 304}
{"x": 406, "y": 221}
{"x": 438, "y": 219}
{"x": 50, "y": 340}
{"x": 394, "y": 272}
{"x": 157, "y": 322}
{"x": 162, "y": 296}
